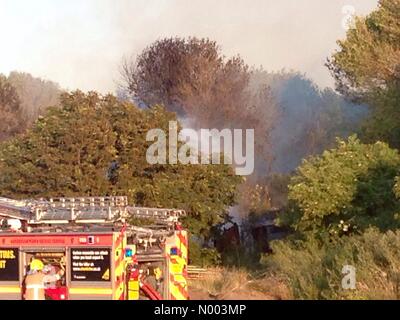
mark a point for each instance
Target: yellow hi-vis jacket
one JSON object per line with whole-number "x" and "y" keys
{"x": 35, "y": 285}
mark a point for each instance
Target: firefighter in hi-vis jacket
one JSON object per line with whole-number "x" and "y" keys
{"x": 36, "y": 280}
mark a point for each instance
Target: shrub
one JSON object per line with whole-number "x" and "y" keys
{"x": 203, "y": 257}
{"x": 313, "y": 270}
{"x": 352, "y": 183}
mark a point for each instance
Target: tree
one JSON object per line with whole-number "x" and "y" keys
{"x": 346, "y": 189}
{"x": 192, "y": 78}
{"x": 23, "y": 99}
{"x": 10, "y": 111}
{"x": 94, "y": 145}
{"x": 207, "y": 90}
{"x": 367, "y": 68}
{"x": 369, "y": 57}
{"x": 383, "y": 123}
{"x": 35, "y": 94}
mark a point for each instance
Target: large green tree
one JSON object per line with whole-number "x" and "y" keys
{"x": 369, "y": 57}
{"x": 96, "y": 145}
{"x": 383, "y": 123}
{"x": 367, "y": 68}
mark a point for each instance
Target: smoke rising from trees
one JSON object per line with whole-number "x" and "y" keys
{"x": 292, "y": 117}
{"x": 23, "y": 98}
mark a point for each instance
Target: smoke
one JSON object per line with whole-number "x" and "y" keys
{"x": 79, "y": 44}
{"x": 310, "y": 118}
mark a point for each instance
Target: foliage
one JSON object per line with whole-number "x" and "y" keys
{"x": 96, "y": 145}
{"x": 22, "y": 99}
{"x": 278, "y": 189}
{"x": 384, "y": 119}
{"x": 352, "y": 183}
{"x": 190, "y": 76}
{"x": 239, "y": 256}
{"x": 10, "y": 110}
{"x": 203, "y": 257}
{"x": 369, "y": 57}
{"x": 314, "y": 271}
{"x": 253, "y": 198}
{"x": 366, "y": 68}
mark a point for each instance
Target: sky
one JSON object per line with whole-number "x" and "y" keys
{"x": 81, "y": 43}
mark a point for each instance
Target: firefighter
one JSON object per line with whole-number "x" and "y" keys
{"x": 36, "y": 280}
{"x": 159, "y": 277}
{"x": 154, "y": 277}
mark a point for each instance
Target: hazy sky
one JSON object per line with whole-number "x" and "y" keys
{"x": 80, "y": 43}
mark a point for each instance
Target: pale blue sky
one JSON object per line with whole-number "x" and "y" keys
{"x": 80, "y": 43}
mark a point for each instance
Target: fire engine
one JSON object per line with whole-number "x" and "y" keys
{"x": 107, "y": 249}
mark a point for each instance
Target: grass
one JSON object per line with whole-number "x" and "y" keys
{"x": 314, "y": 271}
{"x": 224, "y": 283}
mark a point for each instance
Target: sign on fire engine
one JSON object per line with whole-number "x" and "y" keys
{"x": 90, "y": 264}
{"x": 9, "y": 264}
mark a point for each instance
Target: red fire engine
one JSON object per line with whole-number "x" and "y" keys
{"x": 98, "y": 244}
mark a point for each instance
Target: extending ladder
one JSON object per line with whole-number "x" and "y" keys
{"x": 84, "y": 210}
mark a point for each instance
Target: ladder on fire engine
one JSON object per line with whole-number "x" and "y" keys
{"x": 14, "y": 209}
{"x": 160, "y": 216}
{"x": 79, "y": 210}
{"x": 83, "y": 208}
{"x": 98, "y": 209}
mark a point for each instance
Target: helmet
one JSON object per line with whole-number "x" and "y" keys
{"x": 158, "y": 273}
{"x": 37, "y": 265}
{"x": 14, "y": 224}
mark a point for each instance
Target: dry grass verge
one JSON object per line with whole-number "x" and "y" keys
{"x": 234, "y": 284}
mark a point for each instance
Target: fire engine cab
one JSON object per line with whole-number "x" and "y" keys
{"x": 105, "y": 249}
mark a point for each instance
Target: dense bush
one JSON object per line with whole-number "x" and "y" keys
{"x": 345, "y": 189}
{"x": 313, "y": 270}
{"x": 203, "y": 257}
